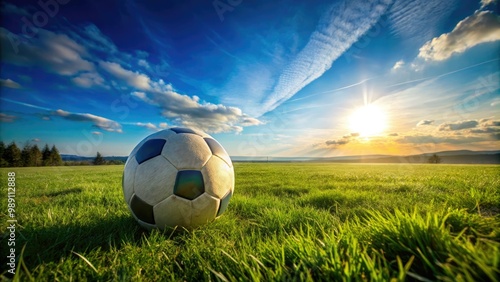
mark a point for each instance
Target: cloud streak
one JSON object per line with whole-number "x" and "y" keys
{"x": 7, "y": 118}
{"x": 340, "y": 27}
{"x": 99, "y": 122}
{"x": 9, "y": 83}
{"x": 25, "y": 104}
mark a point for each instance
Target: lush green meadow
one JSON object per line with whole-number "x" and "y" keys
{"x": 286, "y": 221}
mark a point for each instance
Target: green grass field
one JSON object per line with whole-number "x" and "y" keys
{"x": 286, "y": 221}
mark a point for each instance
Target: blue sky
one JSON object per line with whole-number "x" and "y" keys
{"x": 265, "y": 78}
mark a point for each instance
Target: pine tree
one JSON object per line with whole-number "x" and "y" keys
{"x": 45, "y": 155}
{"x": 13, "y": 155}
{"x": 36, "y": 155}
{"x": 99, "y": 160}
{"x": 3, "y": 162}
{"x": 26, "y": 155}
{"x": 55, "y": 158}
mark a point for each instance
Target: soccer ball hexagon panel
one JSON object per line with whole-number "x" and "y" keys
{"x": 177, "y": 177}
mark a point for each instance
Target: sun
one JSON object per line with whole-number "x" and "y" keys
{"x": 368, "y": 120}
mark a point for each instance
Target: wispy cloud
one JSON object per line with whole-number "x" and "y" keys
{"x": 99, "y": 122}
{"x": 25, "y": 104}
{"x": 333, "y": 90}
{"x": 9, "y": 83}
{"x": 433, "y": 78}
{"x": 340, "y": 27}
{"x": 95, "y": 39}
{"x": 149, "y": 125}
{"x": 418, "y": 20}
{"x": 7, "y": 118}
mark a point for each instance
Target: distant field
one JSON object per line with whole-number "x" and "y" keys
{"x": 286, "y": 221}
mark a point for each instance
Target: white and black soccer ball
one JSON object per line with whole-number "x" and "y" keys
{"x": 178, "y": 177}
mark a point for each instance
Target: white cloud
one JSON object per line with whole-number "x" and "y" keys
{"x": 485, "y": 3}
{"x": 134, "y": 79}
{"x": 9, "y": 83}
{"x": 481, "y": 27}
{"x": 53, "y": 52}
{"x": 339, "y": 28}
{"x": 163, "y": 125}
{"x": 140, "y": 95}
{"x": 96, "y": 133}
{"x": 143, "y": 63}
{"x": 99, "y": 122}
{"x": 88, "y": 79}
{"x": 399, "y": 64}
{"x": 189, "y": 111}
{"x": 148, "y": 125}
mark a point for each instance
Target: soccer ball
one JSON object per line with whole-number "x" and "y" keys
{"x": 177, "y": 177}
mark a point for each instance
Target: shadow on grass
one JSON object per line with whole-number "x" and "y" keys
{"x": 51, "y": 244}
{"x": 64, "y": 192}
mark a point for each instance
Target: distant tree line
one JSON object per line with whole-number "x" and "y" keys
{"x": 30, "y": 155}
{"x": 99, "y": 160}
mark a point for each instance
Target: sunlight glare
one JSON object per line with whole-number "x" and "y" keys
{"x": 368, "y": 120}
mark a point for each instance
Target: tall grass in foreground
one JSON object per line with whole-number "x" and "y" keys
{"x": 299, "y": 222}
